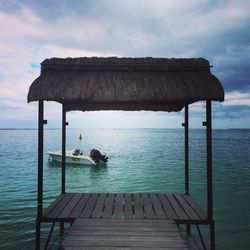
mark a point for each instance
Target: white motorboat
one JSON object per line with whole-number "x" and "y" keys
{"x": 76, "y": 156}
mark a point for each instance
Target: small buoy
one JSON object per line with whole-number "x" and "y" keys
{"x": 80, "y": 137}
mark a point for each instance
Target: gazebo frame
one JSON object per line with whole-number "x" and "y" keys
{"x": 41, "y": 215}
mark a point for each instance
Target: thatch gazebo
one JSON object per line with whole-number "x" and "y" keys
{"x": 153, "y": 84}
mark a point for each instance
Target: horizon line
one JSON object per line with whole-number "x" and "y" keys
{"x": 120, "y": 128}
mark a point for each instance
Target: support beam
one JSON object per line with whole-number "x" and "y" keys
{"x": 40, "y": 160}
{"x": 41, "y": 123}
{"x": 49, "y": 237}
{"x": 63, "y": 146}
{"x": 210, "y": 173}
{"x": 64, "y": 123}
{"x": 188, "y": 229}
{"x": 209, "y": 161}
{"x": 186, "y": 151}
{"x": 212, "y": 235}
{"x": 201, "y": 238}
{"x": 186, "y": 143}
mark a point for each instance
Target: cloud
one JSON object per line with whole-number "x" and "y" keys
{"x": 120, "y": 27}
{"x": 34, "y": 30}
{"x": 20, "y": 51}
{"x": 237, "y": 98}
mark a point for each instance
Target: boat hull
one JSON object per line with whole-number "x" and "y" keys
{"x": 83, "y": 159}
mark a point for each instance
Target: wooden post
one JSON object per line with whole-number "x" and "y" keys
{"x": 187, "y": 158}
{"x": 64, "y": 123}
{"x": 186, "y": 151}
{"x": 63, "y": 146}
{"x": 209, "y": 162}
{"x": 210, "y": 173}
{"x": 212, "y": 235}
{"x": 41, "y": 123}
{"x": 186, "y": 143}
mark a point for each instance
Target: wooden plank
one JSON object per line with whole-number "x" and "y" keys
{"x": 130, "y": 226}
{"x": 160, "y": 214}
{"x": 70, "y": 206}
{"x": 128, "y": 207}
{"x": 129, "y": 238}
{"x": 169, "y": 233}
{"x": 187, "y": 208}
{"x": 100, "y": 203}
{"x": 60, "y": 206}
{"x": 147, "y": 205}
{"x": 177, "y": 208}
{"x": 138, "y": 209}
{"x": 87, "y": 211}
{"x": 125, "y": 243}
{"x": 126, "y": 223}
{"x": 198, "y": 210}
{"x": 123, "y": 228}
{"x": 52, "y": 205}
{"x": 168, "y": 209}
{"x": 123, "y": 233}
{"x": 118, "y": 207}
{"x": 109, "y": 206}
{"x": 120, "y": 248}
{"x": 76, "y": 212}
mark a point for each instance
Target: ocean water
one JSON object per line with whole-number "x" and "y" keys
{"x": 143, "y": 160}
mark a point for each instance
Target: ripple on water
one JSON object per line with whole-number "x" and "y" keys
{"x": 140, "y": 161}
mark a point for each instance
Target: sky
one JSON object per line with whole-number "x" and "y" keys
{"x": 31, "y": 31}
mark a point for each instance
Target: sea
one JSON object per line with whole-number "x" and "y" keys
{"x": 140, "y": 160}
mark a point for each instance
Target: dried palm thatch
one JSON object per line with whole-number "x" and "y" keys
{"x": 156, "y": 84}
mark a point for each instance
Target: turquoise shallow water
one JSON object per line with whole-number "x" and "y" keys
{"x": 140, "y": 161}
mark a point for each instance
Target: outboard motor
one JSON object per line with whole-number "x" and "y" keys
{"x": 76, "y": 152}
{"x": 96, "y": 156}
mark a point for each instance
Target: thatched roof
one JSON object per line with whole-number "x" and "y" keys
{"x": 113, "y": 83}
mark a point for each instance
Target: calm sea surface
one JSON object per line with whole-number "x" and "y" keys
{"x": 140, "y": 161}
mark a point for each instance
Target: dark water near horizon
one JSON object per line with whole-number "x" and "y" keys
{"x": 141, "y": 160}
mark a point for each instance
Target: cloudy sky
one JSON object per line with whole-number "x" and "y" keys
{"x": 31, "y": 31}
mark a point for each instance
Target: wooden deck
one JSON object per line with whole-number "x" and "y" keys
{"x": 178, "y": 207}
{"x": 123, "y": 234}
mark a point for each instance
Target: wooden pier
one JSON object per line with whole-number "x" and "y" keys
{"x": 123, "y": 234}
{"x": 178, "y": 207}
{"x": 124, "y": 220}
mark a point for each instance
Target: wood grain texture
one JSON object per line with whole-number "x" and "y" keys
{"x": 179, "y": 207}
{"x": 123, "y": 234}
